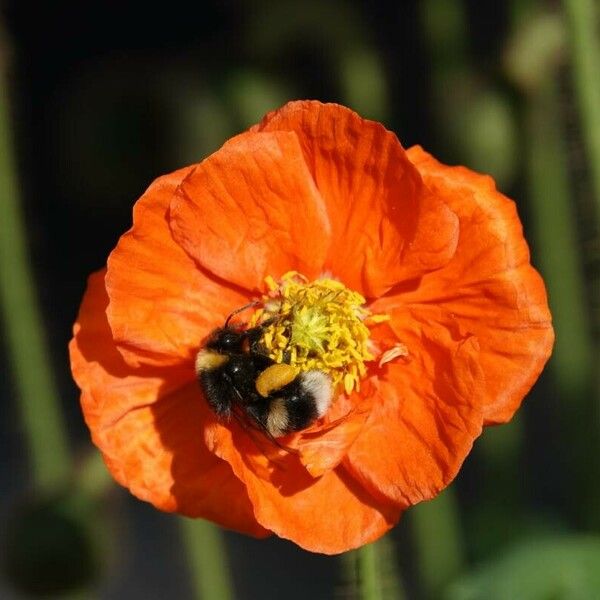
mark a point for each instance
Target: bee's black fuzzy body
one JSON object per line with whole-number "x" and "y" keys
{"x": 228, "y": 368}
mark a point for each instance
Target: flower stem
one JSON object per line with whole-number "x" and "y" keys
{"x": 27, "y": 350}
{"x": 369, "y": 580}
{"x": 556, "y": 237}
{"x": 438, "y": 541}
{"x": 583, "y": 26}
{"x": 372, "y": 572}
{"x": 555, "y": 232}
{"x": 583, "y": 22}
{"x": 207, "y": 560}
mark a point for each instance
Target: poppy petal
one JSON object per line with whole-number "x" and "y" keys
{"x": 489, "y": 288}
{"x": 252, "y": 210}
{"x": 321, "y": 447}
{"x": 425, "y": 415}
{"x": 148, "y": 423}
{"x": 295, "y": 505}
{"x": 161, "y": 304}
{"x": 386, "y": 225}
{"x": 325, "y": 445}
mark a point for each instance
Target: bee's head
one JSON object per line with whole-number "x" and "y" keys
{"x": 236, "y": 338}
{"x": 226, "y": 340}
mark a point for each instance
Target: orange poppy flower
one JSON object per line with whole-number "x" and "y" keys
{"x": 410, "y": 279}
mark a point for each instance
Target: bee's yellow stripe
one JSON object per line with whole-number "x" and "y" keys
{"x": 207, "y": 360}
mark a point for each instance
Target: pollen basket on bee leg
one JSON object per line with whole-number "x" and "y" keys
{"x": 274, "y": 378}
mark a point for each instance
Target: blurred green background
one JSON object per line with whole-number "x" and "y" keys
{"x": 99, "y": 98}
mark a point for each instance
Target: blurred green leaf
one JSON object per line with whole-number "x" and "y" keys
{"x": 252, "y": 94}
{"x": 336, "y": 31}
{"x": 52, "y": 545}
{"x": 200, "y": 123}
{"x": 563, "y": 568}
{"x": 444, "y": 26}
{"x": 364, "y": 87}
{"x": 501, "y": 446}
{"x": 332, "y": 25}
{"x": 474, "y": 119}
{"x": 486, "y": 137}
{"x": 534, "y": 50}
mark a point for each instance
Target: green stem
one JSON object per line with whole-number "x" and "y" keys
{"x": 207, "y": 557}
{"x": 555, "y": 231}
{"x": 371, "y": 573}
{"x": 369, "y": 580}
{"x": 583, "y": 23}
{"x": 364, "y": 86}
{"x": 27, "y": 349}
{"x": 438, "y": 541}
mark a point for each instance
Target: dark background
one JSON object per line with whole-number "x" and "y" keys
{"x": 105, "y": 96}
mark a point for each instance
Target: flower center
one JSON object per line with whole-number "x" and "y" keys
{"x": 317, "y": 325}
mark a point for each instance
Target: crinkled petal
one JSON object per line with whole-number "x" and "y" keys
{"x": 324, "y": 445}
{"x": 489, "y": 289}
{"x": 425, "y": 415}
{"x": 319, "y": 448}
{"x": 385, "y": 225}
{"x": 161, "y": 304}
{"x": 252, "y": 210}
{"x": 148, "y": 423}
{"x": 328, "y": 514}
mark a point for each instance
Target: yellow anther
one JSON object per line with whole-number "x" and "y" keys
{"x": 348, "y": 383}
{"x": 379, "y": 318}
{"x": 317, "y": 325}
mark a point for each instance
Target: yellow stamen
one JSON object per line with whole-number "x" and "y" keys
{"x": 317, "y": 325}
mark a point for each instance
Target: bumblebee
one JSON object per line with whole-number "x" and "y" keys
{"x": 240, "y": 380}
